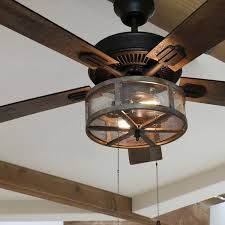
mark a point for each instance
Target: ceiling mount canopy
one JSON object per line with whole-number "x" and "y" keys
{"x": 134, "y": 13}
{"x": 135, "y": 112}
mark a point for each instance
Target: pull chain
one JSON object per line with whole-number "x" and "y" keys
{"x": 118, "y": 163}
{"x": 157, "y": 192}
{"x": 118, "y": 171}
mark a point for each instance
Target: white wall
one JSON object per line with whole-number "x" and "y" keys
{"x": 217, "y": 214}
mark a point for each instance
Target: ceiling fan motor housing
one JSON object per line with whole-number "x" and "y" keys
{"x": 130, "y": 50}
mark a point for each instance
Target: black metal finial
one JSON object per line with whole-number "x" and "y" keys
{"x": 137, "y": 134}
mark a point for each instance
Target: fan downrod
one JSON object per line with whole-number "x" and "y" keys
{"x": 134, "y": 13}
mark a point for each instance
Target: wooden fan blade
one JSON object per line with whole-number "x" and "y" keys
{"x": 201, "y": 31}
{"x": 204, "y": 91}
{"x": 21, "y": 19}
{"x": 142, "y": 155}
{"x": 218, "y": 51}
{"x": 39, "y": 104}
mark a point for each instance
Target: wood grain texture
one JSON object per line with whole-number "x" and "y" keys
{"x": 169, "y": 14}
{"x": 201, "y": 31}
{"x": 43, "y": 103}
{"x": 197, "y": 214}
{"x": 100, "y": 223}
{"x": 56, "y": 189}
{"x": 21, "y": 19}
{"x": 215, "y": 90}
{"x": 60, "y": 190}
{"x": 218, "y": 51}
{"x": 212, "y": 201}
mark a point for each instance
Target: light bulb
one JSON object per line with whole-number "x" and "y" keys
{"x": 123, "y": 124}
{"x": 152, "y": 101}
{"x": 146, "y": 98}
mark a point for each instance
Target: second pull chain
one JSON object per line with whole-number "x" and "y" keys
{"x": 157, "y": 192}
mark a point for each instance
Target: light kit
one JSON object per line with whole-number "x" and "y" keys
{"x": 145, "y": 111}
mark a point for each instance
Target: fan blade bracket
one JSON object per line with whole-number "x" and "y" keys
{"x": 77, "y": 96}
{"x": 194, "y": 90}
{"x": 171, "y": 55}
{"x": 97, "y": 62}
{"x": 93, "y": 60}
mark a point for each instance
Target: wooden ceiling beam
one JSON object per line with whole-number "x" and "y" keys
{"x": 197, "y": 214}
{"x": 100, "y": 223}
{"x": 56, "y": 189}
{"x": 213, "y": 201}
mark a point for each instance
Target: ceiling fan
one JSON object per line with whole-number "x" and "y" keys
{"x": 136, "y": 103}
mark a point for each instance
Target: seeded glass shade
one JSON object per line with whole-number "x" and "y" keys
{"x": 135, "y": 112}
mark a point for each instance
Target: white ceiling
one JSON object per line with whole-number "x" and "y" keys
{"x": 55, "y": 141}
